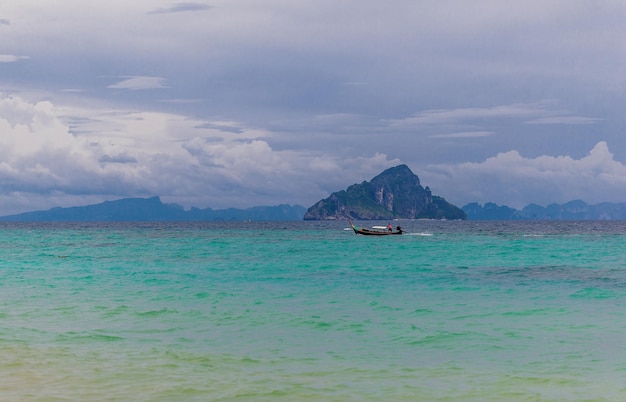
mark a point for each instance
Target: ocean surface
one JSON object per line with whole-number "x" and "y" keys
{"x": 308, "y": 311}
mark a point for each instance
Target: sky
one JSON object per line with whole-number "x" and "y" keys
{"x": 240, "y": 103}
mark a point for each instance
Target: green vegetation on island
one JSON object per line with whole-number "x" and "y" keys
{"x": 396, "y": 193}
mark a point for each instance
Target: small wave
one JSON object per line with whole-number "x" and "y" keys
{"x": 418, "y": 234}
{"x": 88, "y": 337}
{"x": 593, "y": 293}
{"x": 445, "y": 339}
{"x": 155, "y": 313}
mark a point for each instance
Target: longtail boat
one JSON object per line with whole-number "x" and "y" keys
{"x": 375, "y": 232}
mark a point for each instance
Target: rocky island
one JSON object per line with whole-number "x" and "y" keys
{"x": 396, "y": 193}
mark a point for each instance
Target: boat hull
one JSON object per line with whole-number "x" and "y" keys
{"x": 373, "y": 232}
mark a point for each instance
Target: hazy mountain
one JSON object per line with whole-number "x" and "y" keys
{"x": 152, "y": 209}
{"x": 573, "y": 210}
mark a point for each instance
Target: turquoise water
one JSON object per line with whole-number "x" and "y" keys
{"x": 473, "y": 311}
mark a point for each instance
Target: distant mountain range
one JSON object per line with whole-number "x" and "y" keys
{"x": 573, "y": 210}
{"x": 152, "y": 209}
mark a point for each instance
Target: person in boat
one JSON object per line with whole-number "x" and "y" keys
{"x": 389, "y": 228}
{"x": 398, "y": 229}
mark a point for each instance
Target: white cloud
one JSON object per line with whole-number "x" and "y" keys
{"x": 37, "y": 152}
{"x": 449, "y": 116}
{"x": 139, "y": 82}
{"x": 77, "y": 155}
{"x": 509, "y": 178}
{"x": 10, "y": 58}
{"x": 437, "y": 116}
{"x": 565, "y": 120}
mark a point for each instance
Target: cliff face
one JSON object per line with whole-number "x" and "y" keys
{"x": 395, "y": 193}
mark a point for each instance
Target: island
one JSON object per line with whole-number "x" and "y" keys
{"x": 395, "y": 193}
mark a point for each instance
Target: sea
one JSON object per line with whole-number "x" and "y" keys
{"x": 309, "y": 311}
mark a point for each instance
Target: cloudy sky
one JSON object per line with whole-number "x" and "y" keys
{"x": 239, "y": 103}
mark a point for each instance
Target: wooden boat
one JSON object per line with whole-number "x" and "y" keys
{"x": 375, "y": 232}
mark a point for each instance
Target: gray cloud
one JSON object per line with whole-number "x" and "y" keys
{"x": 290, "y": 101}
{"x": 466, "y": 134}
{"x": 181, "y": 7}
{"x": 117, "y": 159}
{"x": 139, "y": 82}
{"x": 565, "y": 120}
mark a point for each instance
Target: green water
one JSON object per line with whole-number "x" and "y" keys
{"x": 477, "y": 311}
